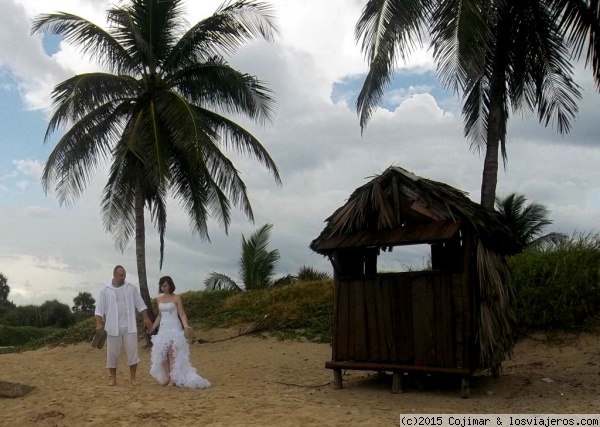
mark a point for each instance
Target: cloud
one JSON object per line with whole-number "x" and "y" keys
{"x": 31, "y": 168}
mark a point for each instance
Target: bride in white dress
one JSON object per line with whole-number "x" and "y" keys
{"x": 170, "y": 359}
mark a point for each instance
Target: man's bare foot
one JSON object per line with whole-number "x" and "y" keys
{"x": 112, "y": 381}
{"x": 133, "y": 381}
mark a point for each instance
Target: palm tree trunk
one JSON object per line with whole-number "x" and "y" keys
{"x": 140, "y": 253}
{"x": 495, "y": 131}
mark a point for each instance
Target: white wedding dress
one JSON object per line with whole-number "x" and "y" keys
{"x": 170, "y": 333}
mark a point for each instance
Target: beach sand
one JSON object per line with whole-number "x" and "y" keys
{"x": 265, "y": 382}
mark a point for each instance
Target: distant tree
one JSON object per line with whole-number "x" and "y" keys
{"x": 4, "y": 288}
{"x": 24, "y": 315}
{"x": 57, "y": 314}
{"x": 84, "y": 302}
{"x": 5, "y": 307}
{"x": 527, "y": 220}
{"x": 256, "y": 265}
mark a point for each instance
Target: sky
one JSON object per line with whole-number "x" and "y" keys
{"x": 315, "y": 68}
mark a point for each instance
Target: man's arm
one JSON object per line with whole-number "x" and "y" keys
{"x": 99, "y": 324}
{"x": 147, "y": 321}
{"x": 100, "y": 310}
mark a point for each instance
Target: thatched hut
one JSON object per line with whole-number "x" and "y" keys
{"x": 455, "y": 318}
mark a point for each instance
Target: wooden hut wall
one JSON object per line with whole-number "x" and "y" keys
{"x": 421, "y": 319}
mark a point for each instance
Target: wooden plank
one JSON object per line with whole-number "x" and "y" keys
{"x": 360, "y": 322}
{"x": 404, "y": 319}
{"x": 351, "y": 322}
{"x": 423, "y": 321}
{"x": 381, "y": 305}
{"x": 458, "y": 319}
{"x": 443, "y": 321}
{"x": 342, "y": 320}
{"x": 393, "y": 367}
{"x": 371, "y": 319}
{"x": 334, "y": 327}
{"x": 469, "y": 281}
{"x": 388, "y": 319}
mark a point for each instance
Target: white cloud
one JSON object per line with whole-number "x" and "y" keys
{"x": 31, "y": 168}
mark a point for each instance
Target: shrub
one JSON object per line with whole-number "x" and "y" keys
{"x": 558, "y": 287}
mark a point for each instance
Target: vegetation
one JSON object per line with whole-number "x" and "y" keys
{"x": 500, "y": 56}
{"x": 17, "y": 335}
{"x": 256, "y": 264}
{"x": 158, "y": 115}
{"x": 4, "y": 288}
{"x": 527, "y": 221}
{"x": 558, "y": 286}
{"x": 49, "y": 314}
{"x": 84, "y": 302}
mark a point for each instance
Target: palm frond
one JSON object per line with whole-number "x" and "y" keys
{"x": 257, "y": 264}
{"x": 238, "y": 138}
{"x": 217, "y": 281}
{"x": 388, "y": 28}
{"x": 461, "y": 34}
{"x": 77, "y": 154}
{"x": 82, "y": 94}
{"x": 232, "y": 25}
{"x": 90, "y": 38}
{"x": 214, "y": 84}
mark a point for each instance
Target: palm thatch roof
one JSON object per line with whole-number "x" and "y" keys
{"x": 398, "y": 207}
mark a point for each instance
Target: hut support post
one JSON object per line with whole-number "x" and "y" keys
{"x": 496, "y": 369}
{"x": 465, "y": 390}
{"x": 337, "y": 379}
{"x": 397, "y": 382}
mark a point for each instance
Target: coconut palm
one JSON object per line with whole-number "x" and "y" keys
{"x": 527, "y": 221}
{"x": 499, "y": 55}
{"x": 158, "y": 115}
{"x": 4, "y": 288}
{"x": 256, "y": 264}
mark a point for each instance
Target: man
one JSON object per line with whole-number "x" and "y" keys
{"x": 116, "y": 305}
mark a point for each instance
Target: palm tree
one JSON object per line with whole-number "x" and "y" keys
{"x": 500, "y": 55}
{"x": 527, "y": 221}
{"x": 4, "y": 288}
{"x": 159, "y": 115}
{"x": 256, "y": 265}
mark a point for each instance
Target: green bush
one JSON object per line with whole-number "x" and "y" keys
{"x": 21, "y": 335}
{"x": 558, "y": 287}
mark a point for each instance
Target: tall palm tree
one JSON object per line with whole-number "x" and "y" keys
{"x": 527, "y": 221}
{"x": 499, "y": 55}
{"x": 158, "y": 115}
{"x": 256, "y": 265}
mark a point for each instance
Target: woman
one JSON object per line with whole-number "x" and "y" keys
{"x": 170, "y": 351}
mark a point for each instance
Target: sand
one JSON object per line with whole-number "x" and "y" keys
{"x": 265, "y": 382}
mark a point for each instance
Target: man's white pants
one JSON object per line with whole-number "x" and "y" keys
{"x": 113, "y": 348}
